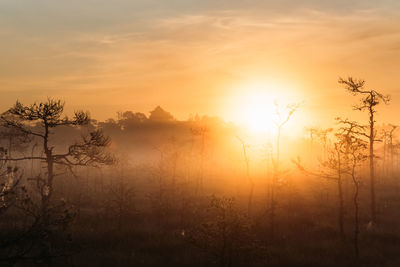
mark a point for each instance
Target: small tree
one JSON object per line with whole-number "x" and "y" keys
{"x": 249, "y": 179}
{"x": 336, "y": 163}
{"x": 202, "y": 132}
{"x": 369, "y": 102}
{"x": 281, "y": 121}
{"x": 335, "y": 170}
{"x": 347, "y": 154}
{"x": 47, "y": 116}
{"x": 353, "y": 150}
{"x": 388, "y": 147}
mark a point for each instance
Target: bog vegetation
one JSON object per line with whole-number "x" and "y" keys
{"x": 154, "y": 191}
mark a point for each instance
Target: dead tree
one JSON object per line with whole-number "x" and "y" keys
{"x": 370, "y": 100}
{"x": 201, "y": 131}
{"x": 391, "y": 145}
{"x": 387, "y": 136}
{"x": 335, "y": 163}
{"x": 354, "y": 148}
{"x": 335, "y": 171}
{"x": 312, "y": 131}
{"x": 249, "y": 179}
{"x": 280, "y": 123}
{"x": 323, "y": 136}
{"x": 340, "y": 163}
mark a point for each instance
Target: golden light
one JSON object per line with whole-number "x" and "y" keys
{"x": 256, "y": 114}
{"x": 253, "y": 106}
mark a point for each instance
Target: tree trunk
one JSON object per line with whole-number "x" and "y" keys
{"x": 356, "y": 212}
{"x": 273, "y": 185}
{"x": 371, "y": 165}
{"x": 46, "y": 194}
{"x": 341, "y": 205}
{"x": 249, "y": 179}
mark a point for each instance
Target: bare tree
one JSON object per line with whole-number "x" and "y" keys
{"x": 336, "y": 168}
{"x": 354, "y": 148}
{"x": 370, "y": 100}
{"x": 281, "y": 121}
{"x": 388, "y": 147}
{"x": 249, "y": 179}
{"x": 202, "y": 132}
{"x": 391, "y": 145}
{"x": 344, "y": 158}
{"x": 323, "y": 136}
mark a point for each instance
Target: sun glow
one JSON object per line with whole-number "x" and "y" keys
{"x": 255, "y": 106}
{"x": 256, "y": 114}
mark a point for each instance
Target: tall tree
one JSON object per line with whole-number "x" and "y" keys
{"x": 249, "y": 179}
{"x": 370, "y": 100}
{"x": 281, "y": 121}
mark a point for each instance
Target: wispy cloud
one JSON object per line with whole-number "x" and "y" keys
{"x": 203, "y": 47}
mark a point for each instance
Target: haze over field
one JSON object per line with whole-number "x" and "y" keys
{"x": 199, "y": 133}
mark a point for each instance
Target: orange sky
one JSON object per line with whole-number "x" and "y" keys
{"x": 194, "y": 56}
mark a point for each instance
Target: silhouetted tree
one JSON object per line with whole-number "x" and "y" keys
{"x": 354, "y": 148}
{"x": 128, "y": 119}
{"x": 344, "y": 158}
{"x": 335, "y": 162}
{"x": 281, "y": 121}
{"x": 323, "y": 136}
{"x": 48, "y": 116}
{"x": 160, "y": 115}
{"x": 388, "y": 146}
{"x": 369, "y": 102}
{"x": 202, "y": 132}
{"x": 312, "y": 131}
{"x": 248, "y": 177}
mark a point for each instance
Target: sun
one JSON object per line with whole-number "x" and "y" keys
{"x": 256, "y": 113}
{"x": 254, "y": 106}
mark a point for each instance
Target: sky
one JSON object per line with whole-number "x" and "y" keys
{"x": 198, "y": 56}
